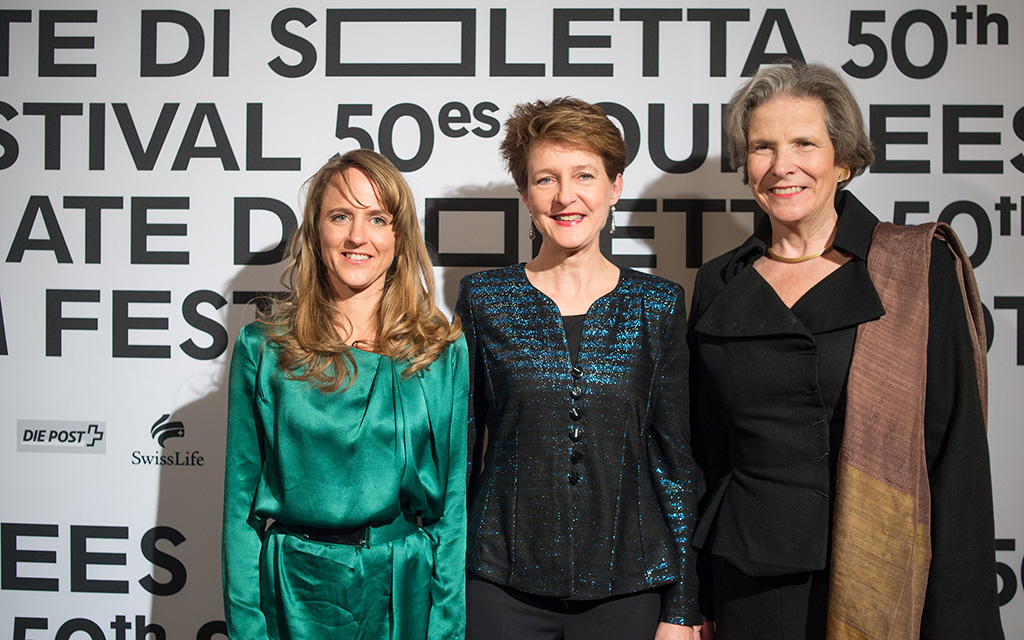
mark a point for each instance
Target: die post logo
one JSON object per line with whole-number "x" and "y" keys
{"x": 62, "y": 436}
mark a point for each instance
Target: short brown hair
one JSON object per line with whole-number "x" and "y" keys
{"x": 565, "y": 121}
{"x": 843, "y": 119}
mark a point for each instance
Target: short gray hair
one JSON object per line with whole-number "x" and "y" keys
{"x": 843, "y": 119}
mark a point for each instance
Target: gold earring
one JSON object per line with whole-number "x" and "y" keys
{"x": 843, "y": 175}
{"x": 611, "y": 231}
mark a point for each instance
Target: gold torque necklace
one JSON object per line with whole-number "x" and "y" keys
{"x": 810, "y": 256}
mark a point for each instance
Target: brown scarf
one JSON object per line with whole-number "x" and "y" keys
{"x": 881, "y": 542}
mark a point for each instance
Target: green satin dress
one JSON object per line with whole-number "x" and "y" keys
{"x": 386, "y": 449}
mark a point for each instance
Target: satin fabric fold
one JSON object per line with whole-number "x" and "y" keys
{"x": 388, "y": 447}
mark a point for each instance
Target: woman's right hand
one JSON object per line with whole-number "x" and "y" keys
{"x": 705, "y": 631}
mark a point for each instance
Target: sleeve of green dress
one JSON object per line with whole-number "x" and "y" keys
{"x": 242, "y": 532}
{"x": 448, "y": 583}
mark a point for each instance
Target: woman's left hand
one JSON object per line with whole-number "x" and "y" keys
{"x": 669, "y": 631}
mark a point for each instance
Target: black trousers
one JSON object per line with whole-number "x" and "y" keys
{"x": 496, "y": 612}
{"x": 789, "y": 607}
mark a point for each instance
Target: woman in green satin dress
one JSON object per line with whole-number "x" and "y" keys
{"x": 344, "y": 493}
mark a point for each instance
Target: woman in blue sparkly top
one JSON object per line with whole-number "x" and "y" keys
{"x": 582, "y": 484}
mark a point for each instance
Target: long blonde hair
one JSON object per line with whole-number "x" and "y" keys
{"x": 410, "y": 326}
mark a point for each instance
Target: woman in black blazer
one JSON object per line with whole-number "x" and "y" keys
{"x": 839, "y": 367}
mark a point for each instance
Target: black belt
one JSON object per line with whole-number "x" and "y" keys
{"x": 354, "y": 536}
{"x": 364, "y": 536}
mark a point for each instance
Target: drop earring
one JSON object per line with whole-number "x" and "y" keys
{"x": 612, "y": 213}
{"x": 533, "y": 234}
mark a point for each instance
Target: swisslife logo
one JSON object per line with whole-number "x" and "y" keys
{"x": 62, "y": 436}
{"x": 161, "y": 431}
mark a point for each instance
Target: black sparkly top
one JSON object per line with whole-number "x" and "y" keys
{"x": 584, "y": 486}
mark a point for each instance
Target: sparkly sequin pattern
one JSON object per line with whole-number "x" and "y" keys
{"x": 586, "y": 487}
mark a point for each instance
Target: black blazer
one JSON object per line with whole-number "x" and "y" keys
{"x": 768, "y": 384}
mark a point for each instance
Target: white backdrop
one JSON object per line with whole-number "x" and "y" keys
{"x": 150, "y": 160}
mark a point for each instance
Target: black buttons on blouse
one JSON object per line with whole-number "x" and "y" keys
{"x": 575, "y": 393}
{"x": 575, "y": 413}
